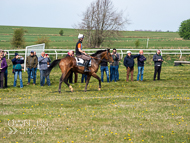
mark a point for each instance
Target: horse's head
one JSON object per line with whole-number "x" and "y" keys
{"x": 108, "y": 56}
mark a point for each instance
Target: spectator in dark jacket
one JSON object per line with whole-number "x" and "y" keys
{"x": 140, "y": 60}
{"x": 35, "y": 68}
{"x": 3, "y": 66}
{"x": 17, "y": 69}
{"x": 129, "y": 64}
{"x": 114, "y": 66}
{"x": 104, "y": 67}
{"x": 31, "y": 64}
{"x": 43, "y": 65}
{"x": 157, "y": 58}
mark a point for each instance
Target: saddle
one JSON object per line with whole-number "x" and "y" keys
{"x": 80, "y": 62}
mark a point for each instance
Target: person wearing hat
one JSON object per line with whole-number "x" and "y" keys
{"x": 129, "y": 64}
{"x": 3, "y": 66}
{"x": 114, "y": 66}
{"x": 17, "y": 69}
{"x": 31, "y": 64}
{"x": 81, "y": 54}
{"x": 157, "y": 58}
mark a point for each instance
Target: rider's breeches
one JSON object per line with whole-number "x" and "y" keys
{"x": 84, "y": 57}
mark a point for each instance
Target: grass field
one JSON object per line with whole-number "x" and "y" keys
{"x": 68, "y": 40}
{"x": 148, "y": 111}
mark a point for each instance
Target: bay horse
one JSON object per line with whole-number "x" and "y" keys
{"x": 68, "y": 64}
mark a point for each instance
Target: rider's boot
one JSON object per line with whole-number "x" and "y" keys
{"x": 86, "y": 66}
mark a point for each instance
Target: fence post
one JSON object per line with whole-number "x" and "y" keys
{"x": 8, "y": 55}
{"x": 121, "y": 54}
{"x": 181, "y": 54}
{"x": 147, "y": 43}
{"x": 56, "y": 54}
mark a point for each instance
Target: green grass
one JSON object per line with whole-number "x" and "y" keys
{"x": 68, "y": 40}
{"x": 148, "y": 111}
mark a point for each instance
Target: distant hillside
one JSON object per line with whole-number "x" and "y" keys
{"x": 68, "y": 40}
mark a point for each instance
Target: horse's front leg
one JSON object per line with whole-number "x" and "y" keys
{"x": 87, "y": 81}
{"x": 98, "y": 78}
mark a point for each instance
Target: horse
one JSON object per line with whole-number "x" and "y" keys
{"x": 68, "y": 64}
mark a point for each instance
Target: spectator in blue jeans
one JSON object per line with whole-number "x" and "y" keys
{"x": 31, "y": 63}
{"x": 140, "y": 60}
{"x": 35, "y": 69}
{"x": 43, "y": 65}
{"x": 17, "y": 69}
{"x": 84, "y": 76}
{"x": 104, "y": 67}
{"x": 114, "y": 66}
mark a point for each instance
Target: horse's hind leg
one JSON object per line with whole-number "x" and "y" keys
{"x": 60, "y": 82}
{"x": 66, "y": 81}
{"x": 97, "y": 77}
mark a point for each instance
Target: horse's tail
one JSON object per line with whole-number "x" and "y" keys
{"x": 53, "y": 64}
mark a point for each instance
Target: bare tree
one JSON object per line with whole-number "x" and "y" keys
{"x": 101, "y": 21}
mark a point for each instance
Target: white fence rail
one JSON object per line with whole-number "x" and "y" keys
{"x": 123, "y": 52}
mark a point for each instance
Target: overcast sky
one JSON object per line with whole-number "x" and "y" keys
{"x": 143, "y": 14}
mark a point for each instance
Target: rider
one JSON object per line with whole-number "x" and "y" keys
{"x": 81, "y": 54}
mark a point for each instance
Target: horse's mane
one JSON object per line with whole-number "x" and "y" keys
{"x": 97, "y": 52}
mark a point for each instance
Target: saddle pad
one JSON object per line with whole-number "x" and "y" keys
{"x": 80, "y": 62}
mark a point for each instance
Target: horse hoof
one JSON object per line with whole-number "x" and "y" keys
{"x": 59, "y": 91}
{"x": 71, "y": 88}
{"x": 99, "y": 89}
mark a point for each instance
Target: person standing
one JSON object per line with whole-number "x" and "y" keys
{"x": 104, "y": 67}
{"x": 84, "y": 76}
{"x": 129, "y": 64}
{"x": 118, "y": 65}
{"x": 31, "y": 63}
{"x": 6, "y": 72}
{"x": 114, "y": 66}
{"x": 157, "y": 58}
{"x": 3, "y": 66}
{"x": 35, "y": 69}
{"x": 70, "y": 54}
{"x": 17, "y": 69}
{"x": 140, "y": 60}
{"x": 43, "y": 65}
